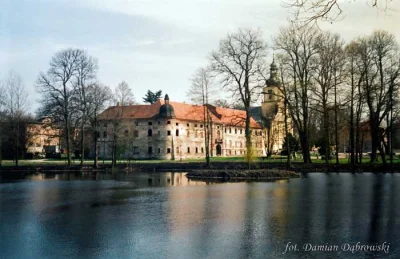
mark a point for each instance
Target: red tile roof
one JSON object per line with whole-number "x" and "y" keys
{"x": 183, "y": 111}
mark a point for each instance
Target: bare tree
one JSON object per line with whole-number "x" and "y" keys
{"x": 328, "y": 65}
{"x": 123, "y": 97}
{"x": 97, "y": 99}
{"x": 201, "y": 92}
{"x": 85, "y": 76}
{"x": 381, "y": 83}
{"x": 237, "y": 64}
{"x": 16, "y": 105}
{"x": 123, "y": 94}
{"x": 298, "y": 46}
{"x": 58, "y": 92}
{"x": 311, "y": 11}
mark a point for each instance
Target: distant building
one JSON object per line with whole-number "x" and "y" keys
{"x": 173, "y": 130}
{"x": 43, "y": 137}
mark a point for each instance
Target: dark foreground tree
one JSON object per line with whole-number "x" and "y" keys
{"x": 298, "y": 49}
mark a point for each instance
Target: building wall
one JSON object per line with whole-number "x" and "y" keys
{"x": 40, "y": 135}
{"x": 172, "y": 139}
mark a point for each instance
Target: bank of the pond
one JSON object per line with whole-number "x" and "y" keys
{"x": 231, "y": 166}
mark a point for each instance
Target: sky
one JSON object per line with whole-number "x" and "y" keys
{"x": 151, "y": 44}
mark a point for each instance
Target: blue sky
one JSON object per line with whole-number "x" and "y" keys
{"x": 151, "y": 44}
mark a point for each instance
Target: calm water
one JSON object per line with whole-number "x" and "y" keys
{"x": 166, "y": 216}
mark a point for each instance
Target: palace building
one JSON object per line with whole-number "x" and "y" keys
{"x": 176, "y": 131}
{"x": 173, "y": 130}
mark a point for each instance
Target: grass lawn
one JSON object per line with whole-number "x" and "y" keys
{"x": 273, "y": 159}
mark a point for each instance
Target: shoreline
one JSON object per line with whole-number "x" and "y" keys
{"x": 192, "y": 166}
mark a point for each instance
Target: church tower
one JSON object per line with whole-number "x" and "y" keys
{"x": 272, "y": 95}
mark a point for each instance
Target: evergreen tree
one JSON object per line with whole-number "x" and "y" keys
{"x": 152, "y": 97}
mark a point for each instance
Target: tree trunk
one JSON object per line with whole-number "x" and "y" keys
{"x": 336, "y": 125}
{"x": 68, "y": 142}
{"x": 82, "y": 143}
{"x": 287, "y": 133}
{"x": 326, "y": 135}
{"x": 17, "y": 137}
{"x": 305, "y": 147}
{"x": 96, "y": 151}
{"x": 351, "y": 142}
{"x": 248, "y": 137}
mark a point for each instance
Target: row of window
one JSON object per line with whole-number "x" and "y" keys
{"x": 150, "y": 150}
{"x": 240, "y": 131}
{"x": 150, "y": 133}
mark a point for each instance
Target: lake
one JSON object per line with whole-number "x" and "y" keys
{"x": 164, "y": 215}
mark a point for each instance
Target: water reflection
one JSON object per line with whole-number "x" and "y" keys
{"x": 140, "y": 216}
{"x": 141, "y": 179}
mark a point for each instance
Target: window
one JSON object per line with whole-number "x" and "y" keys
{"x": 241, "y": 131}
{"x": 195, "y": 125}
{"x": 168, "y": 150}
{"x": 201, "y": 125}
{"x": 150, "y": 132}
{"x": 159, "y": 150}
{"x": 177, "y": 124}
{"x": 230, "y": 130}
{"x": 168, "y": 133}
{"x": 202, "y": 150}
{"x": 197, "y": 150}
{"x": 136, "y": 133}
{"x": 158, "y": 122}
{"x": 104, "y": 134}
{"x": 188, "y": 124}
{"x": 188, "y": 149}
{"x": 177, "y": 132}
{"x": 150, "y": 123}
{"x": 136, "y": 123}
{"x": 217, "y": 127}
{"x": 225, "y": 130}
{"x": 269, "y": 94}
{"x": 168, "y": 122}
{"x": 126, "y": 132}
{"x": 150, "y": 150}
{"x": 235, "y": 131}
